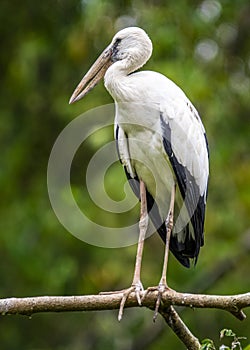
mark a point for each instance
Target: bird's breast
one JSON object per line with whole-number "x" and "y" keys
{"x": 147, "y": 157}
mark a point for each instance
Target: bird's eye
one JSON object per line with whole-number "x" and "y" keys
{"x": 118, "y": 40}
{"x": 116, "y": 43}
{"x": 115, "y": 50}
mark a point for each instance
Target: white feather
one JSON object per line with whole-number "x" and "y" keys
{"x": 142, "y": 98}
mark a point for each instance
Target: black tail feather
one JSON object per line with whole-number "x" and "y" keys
{"x": 183, "y": 251}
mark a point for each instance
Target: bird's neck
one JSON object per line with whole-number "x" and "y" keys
{"x": 117, "y": 79}
{"x": 114, "y": 80}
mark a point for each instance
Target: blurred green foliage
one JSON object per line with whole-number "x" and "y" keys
{"x": 46, "y": 47}
{"x": 234, "y": 341}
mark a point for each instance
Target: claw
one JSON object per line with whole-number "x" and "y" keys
{"x": 123, "y": 301}
{"x": 157, "y": 305}
{"x": 137, "y": 289}
{"x": 161, "y": 288}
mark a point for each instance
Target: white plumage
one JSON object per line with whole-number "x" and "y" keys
{"x": 160, "y": 138}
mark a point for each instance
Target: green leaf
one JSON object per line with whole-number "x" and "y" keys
{"x": 226, "y": 333}
{"x": 207, "y": 344}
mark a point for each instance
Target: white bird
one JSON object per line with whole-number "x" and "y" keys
{"x": 162, "y": 145}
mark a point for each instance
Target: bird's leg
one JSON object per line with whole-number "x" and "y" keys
{"x": 169, "y": 226}
{"x": 136, "y": 285}
{"x": 143, "y": 225}
{"x": 162, "y": 286}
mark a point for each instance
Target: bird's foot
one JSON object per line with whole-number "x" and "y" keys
{"x": 161, "y": 288}
{"x": 138, "y": 289}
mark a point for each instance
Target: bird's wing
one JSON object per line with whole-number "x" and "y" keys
{"x": 133, "y": 179}
{"x": 176, "y": 247}
{"x": 123, "y": 150}
{"x": 185, "y": 143}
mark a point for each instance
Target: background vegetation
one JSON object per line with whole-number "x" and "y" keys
{"x": 46, "y": 48}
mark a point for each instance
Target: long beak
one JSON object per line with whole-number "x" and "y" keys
{"x": 93, "y": 76}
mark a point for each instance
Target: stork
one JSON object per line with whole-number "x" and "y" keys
{"x": 162, "y": 146}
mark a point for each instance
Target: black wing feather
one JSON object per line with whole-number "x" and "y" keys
{"x": 190, "y": 193}
{"x": 183, "y": 251}
{"x": 154, "y": 215}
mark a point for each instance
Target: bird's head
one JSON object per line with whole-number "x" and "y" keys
{"x": 130, "y": 48}
{"x": 131, "y": 44}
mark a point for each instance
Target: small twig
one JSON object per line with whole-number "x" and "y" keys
{"x": 180, "y": 329}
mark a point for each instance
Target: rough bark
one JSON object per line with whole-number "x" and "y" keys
{"x": 231, "y": 303}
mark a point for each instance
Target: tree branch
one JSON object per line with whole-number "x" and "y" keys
{"x": 180, "y": 329}
{"x": 31, "y": 305}
{"x": 231, "y": 303}
{"x": 201, "y": 285}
